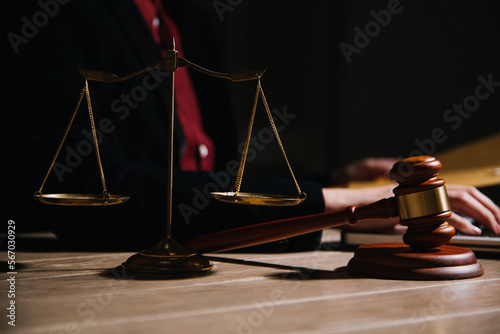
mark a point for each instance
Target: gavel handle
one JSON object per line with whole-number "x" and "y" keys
{"x": 285, "y": 228}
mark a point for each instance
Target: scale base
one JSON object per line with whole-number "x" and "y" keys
{"x": 399, "y": 261}
{"x": 167, "y": 259}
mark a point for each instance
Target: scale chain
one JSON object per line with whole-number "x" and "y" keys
{"x": 66, "y": 131}
{"x": 241, "y": 168}
{"x": 243, "y": 160}
{"x": 94, "y": 135}
{"x": 270, "y": 116}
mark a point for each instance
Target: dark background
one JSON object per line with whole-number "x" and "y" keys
{"x": 394, "y": 92}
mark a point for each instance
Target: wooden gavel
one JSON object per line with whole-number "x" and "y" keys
{"x": 420, "y": 201}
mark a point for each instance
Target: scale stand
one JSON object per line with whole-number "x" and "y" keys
{"x": 168, "y": 258}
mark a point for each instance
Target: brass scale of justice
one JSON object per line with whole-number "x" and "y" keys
{"x": 420, "y": 201}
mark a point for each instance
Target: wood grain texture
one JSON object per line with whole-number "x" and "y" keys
{"x": 309, "y": 292}
{"x": 398, "y": 261}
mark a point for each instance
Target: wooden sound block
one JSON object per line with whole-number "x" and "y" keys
{"x": 399, "y": 261}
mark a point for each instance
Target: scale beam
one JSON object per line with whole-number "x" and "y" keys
{"x": 170, "y": 63}
{"x": 168, "y": 258}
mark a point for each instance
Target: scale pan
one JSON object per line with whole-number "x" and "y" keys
{"x": 80, "y": 199}
{"x": 258, "y": 199}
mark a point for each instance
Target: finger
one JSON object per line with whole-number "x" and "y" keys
{"x": 488, "y": 203}
{"x": 474, "y": 204}
{"x": 490, "y": 217}
{"x": 463, "y": 225}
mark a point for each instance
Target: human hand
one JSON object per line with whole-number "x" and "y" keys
{"x": 474, "y": 204}
{"x": 364, "y": 169}
{"x": 465, "y": 200}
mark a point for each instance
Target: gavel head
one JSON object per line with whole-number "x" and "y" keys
{"x": 423, "y": 204}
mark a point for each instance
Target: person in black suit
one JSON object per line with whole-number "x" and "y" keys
{"x": 117, "y": 36}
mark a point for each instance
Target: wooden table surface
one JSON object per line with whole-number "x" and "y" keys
{"x": 310, "y": 292}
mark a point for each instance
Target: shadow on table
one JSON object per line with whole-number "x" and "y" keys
{"x": 291, "y": 272}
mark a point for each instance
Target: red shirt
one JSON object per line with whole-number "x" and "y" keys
{"x": 199, "y": 150}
